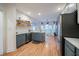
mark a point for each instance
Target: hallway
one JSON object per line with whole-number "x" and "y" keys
{"x": 32, "y": 49}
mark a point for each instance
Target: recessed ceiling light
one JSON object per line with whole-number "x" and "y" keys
{"x": 58, "y": 9}
{"x": 39, "y": 13}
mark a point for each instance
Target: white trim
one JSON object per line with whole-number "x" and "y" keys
{"x": 1, "y": 52}
{"x": 12, "y": 50}
{"x": 1, "y": 33}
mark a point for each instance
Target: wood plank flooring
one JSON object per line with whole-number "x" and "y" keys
{"x": 31, "y": 49}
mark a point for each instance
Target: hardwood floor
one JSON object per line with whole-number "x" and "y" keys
{"x": 41, "y": 49}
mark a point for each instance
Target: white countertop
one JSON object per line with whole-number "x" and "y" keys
{"x": 74, "y": 41}
{"x": 37, "y": 32}
{"x": 21, "y": 33}
{"x": 29, "y": 32}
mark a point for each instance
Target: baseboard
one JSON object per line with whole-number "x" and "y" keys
{"x": 11, "y": 50}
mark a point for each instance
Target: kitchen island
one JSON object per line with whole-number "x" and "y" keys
{"x": 38, "y": 36}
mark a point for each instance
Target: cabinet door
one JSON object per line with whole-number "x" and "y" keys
{"x": 69, "y": 49}
{"x": 68, "y": 52}
{"x": 70, "y": 46}
{"x": 28, "y": 37}
{"x": 20, "y": 39}
{"x": 77, "y": 52}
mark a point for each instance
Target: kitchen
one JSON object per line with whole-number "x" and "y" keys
{"x": 33, "y": 29}
{"x": 30, "y": 31}
{"x": 68, "y": 23}
{"x": 24, "y": 31}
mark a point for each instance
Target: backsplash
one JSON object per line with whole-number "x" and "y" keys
{"x": 21, "y": 30}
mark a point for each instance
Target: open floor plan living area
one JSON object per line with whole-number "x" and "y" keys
{"x": 39, "y": 29}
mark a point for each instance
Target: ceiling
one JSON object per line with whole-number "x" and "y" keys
{"x": 69, "y": 8}
{"x": 44, "y": 9}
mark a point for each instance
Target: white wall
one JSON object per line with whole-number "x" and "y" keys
{"x": 21, "y": 29}
{"x": 10, "y": 14}
{"x": 2, "y": 27}
{"x": 1, "y": 32}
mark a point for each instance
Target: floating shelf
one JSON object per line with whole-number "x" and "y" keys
{"x": 23, "y": 23}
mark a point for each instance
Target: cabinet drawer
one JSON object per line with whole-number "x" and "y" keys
{"x": 70, "y": 46}
{"x": 77, "y": 52}
{"x": 68, "y": 52}
{"x": 20, "y": 39}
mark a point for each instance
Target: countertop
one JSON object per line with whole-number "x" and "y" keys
{"x": 30, "y": 32}
{"x": 73, "y": 41}
{"x": 21, "y": 33}
{"x": 36, "y": 32}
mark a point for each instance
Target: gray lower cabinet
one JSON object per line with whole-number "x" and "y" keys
{"x": 28, "y": 37}
{"x": 38, "y": 37}
{"x": 77, "y": 52}
{"x": 68, "y": 52}
{"x": 69, "y": 49}
{"x": 20, "y": 40}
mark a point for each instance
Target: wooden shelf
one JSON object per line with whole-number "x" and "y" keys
{"x": 23, "y": 23}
